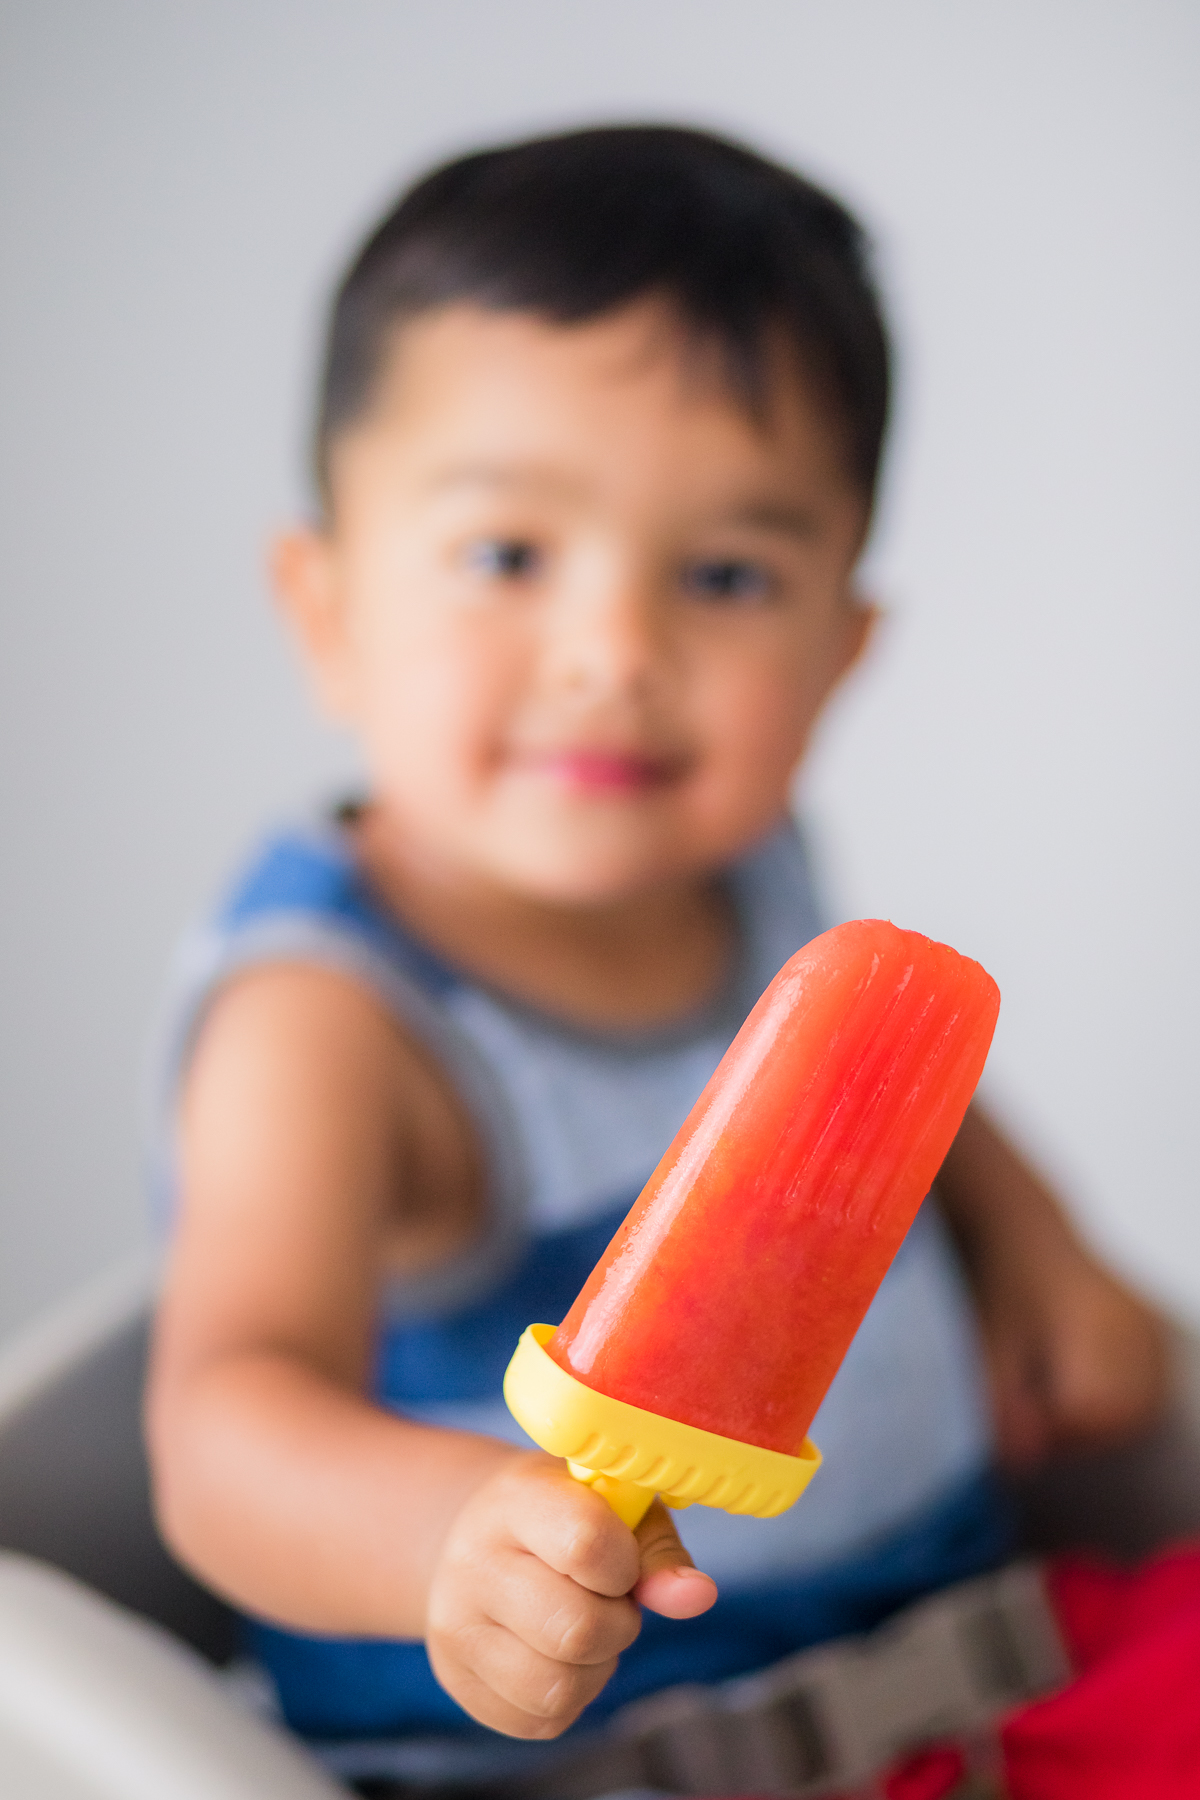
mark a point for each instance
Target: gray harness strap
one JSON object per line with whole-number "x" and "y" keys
{"x": 830, "y": 1718}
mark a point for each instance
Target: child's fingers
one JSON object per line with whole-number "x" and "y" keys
{"x": 557, "y": 1617}
{"x": 1109, "y": 1373}
{"x": 545, "y": 1695}
{"x": 668, "y": 1581}
{"x": 676, "y": 1593}
{"x": 486, "y": 1706}
{"x": 1086, "y": 1364}
{"x": 573, "y": 1531}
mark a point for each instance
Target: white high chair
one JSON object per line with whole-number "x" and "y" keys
{"x": 112, "y": 1658}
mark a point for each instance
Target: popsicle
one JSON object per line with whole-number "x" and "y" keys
{"x": 704, "y": 1340}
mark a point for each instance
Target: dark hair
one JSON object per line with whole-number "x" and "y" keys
{"x": 573, "y": 227}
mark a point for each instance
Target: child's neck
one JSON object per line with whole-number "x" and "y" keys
{"x": 628, "y": 964}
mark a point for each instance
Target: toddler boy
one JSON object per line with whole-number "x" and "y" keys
{"x": 598, "y": 441}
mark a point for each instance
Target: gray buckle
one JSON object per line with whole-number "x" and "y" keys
{"x": 836, "y": 1715}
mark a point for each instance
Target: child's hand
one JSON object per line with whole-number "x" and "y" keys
{"x": 1075, "y": 1357}
{"x": 537, "y": 1592}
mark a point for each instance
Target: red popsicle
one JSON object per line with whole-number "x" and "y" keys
{"x": 730, "y": 1294}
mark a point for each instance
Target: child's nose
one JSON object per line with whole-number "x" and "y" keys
{"x": 607, "y": 639}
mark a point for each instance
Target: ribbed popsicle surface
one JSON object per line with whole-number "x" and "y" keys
{"x": 730, "y": 1294}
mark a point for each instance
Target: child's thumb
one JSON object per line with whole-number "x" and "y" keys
{"x": 669, "y": 1582}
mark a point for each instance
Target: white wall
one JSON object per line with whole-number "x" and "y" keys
{"x": 178, "y": 182}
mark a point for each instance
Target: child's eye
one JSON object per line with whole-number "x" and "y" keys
{"x": 728, "y": 579}
{"x": 503, "y": 559}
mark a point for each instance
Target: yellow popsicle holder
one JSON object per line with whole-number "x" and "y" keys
{"x": 629, "y": 1455}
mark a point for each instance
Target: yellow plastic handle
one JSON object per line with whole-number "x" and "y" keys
{"x": 627, "y": 1447}
{"x": 628, "y": 1499}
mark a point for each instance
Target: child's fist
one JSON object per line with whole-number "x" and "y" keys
{"x": 533, "y": 1598}
{"x": 1076, "y": 1358}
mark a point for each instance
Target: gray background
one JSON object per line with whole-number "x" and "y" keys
{"x": 179, "y": 180}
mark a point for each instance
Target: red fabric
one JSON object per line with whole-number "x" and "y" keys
{"x": 927, "y": 1776}
{"x": 1128, "y": 1726}
{"x": 1100, "y": 1607}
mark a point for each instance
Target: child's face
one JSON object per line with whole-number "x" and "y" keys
{"x": 580, "y": 609}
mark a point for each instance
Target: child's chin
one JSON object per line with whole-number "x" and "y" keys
{"x": 586, "y": 875}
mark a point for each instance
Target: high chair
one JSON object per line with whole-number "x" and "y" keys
{"x": 118, "y": 1671}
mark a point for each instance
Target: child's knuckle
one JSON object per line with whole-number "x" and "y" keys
{"x": 461, "y": 1641}
{"x": 589, "y": 1546}
{"x": 563, "y": 1697}
{"x": 661, "y": 1541}
{"x": 542, "y": 1729}
{"x": 551, "y": 1701}
{"x": 577, "y": 1633}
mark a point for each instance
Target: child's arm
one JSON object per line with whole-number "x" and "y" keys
{"x": 1075, "y": 1356}
{"x": 319, "y": 1149}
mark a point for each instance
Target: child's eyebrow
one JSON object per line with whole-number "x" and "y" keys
{"x": 524, "y": 477}
{"x": 775, "y": 515}
{"x": 762, "y": 514}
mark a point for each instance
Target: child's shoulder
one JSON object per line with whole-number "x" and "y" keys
{"x": 304, "y": 888}
{"x": 292, "y": 1057}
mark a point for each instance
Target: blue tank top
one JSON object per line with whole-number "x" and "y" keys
{"x": 572, "y": 1122}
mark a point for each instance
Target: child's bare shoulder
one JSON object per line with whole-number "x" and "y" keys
{"x": 313, "y": 1123}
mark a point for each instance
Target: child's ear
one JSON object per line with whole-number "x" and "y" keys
{"x": 860, "y": 620}
{"x": 304, "y": 578}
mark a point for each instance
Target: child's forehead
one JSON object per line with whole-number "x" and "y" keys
{"x": 514, "y": 386}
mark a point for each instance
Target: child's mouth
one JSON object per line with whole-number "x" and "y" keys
{"x": 600, "y": 771}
